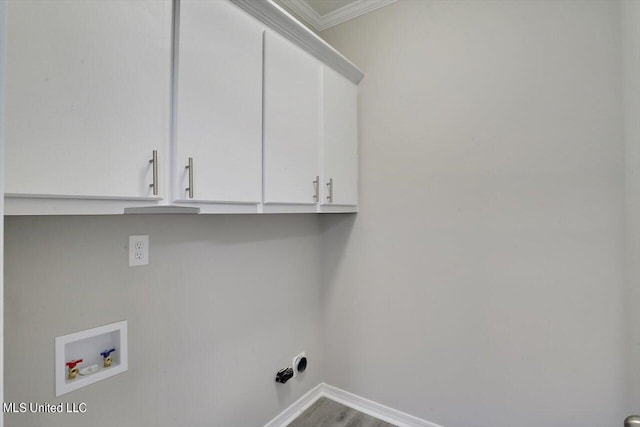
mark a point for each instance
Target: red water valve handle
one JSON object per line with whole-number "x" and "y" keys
{"x": 73, "y": 363}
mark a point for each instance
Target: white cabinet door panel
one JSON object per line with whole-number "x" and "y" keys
{"x": 219, "y": 108}
{"x": 340, "y": 139}
{"x": 87, "y": 97}
{"x": 292, "y": 109}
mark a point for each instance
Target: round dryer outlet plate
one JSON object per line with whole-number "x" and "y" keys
{"x": 296, "y": 362}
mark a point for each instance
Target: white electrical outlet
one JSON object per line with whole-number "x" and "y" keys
{"x": 138, "y": 250}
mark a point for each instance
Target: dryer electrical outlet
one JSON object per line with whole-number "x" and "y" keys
{"x": 299, "y": 364}
{"x": 138, "y": 250}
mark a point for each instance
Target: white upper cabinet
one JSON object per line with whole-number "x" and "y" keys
{"x": 340, "y": 139}
{"x": 262, "y": 111}
{"x": 292, "y": 122}
{"x": 219, "y": 104}
{"x": 87, "y": 97}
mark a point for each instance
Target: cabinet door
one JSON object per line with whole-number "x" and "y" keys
{"x": 291, "y": 122}
{"x": 87, "y": 96}
{"x": 340, "y": 139}
{"x": 219, "y": 106}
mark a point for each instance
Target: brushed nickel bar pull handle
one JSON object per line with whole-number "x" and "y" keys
{"x": 632, "y": 421}
{"x": 190, "y": 187}
{"x": 330, "y": 185}
{"x": 316, "y": 186}
{"x": 154, "y": 160}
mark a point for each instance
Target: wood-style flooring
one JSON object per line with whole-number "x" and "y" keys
{"x": 327, "y": 413}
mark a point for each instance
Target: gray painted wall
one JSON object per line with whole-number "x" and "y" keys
{"x": 225, "y": 303}
{"x": 3, "y": 17}
{"x": 482, "y": 281}
{"x": 631, "y": 82}
{"x": 631, "y": 96}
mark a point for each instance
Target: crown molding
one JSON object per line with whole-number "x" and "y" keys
{"x": 280, "y": 21}
{"x": 322, "y": 22}
{"x": 303, "y": 11}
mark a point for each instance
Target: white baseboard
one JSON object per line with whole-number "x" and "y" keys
{"x": 285, "y": 417}
{"x": 366, "y": 406}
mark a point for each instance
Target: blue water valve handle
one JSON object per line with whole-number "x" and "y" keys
{"x": 106, "y": 353}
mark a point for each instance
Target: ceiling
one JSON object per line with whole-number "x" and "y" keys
{"x": 322, "y": 14}
{"x": 323, "y": 7}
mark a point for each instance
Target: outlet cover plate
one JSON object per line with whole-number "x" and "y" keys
{"x": 138, "y": 250}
